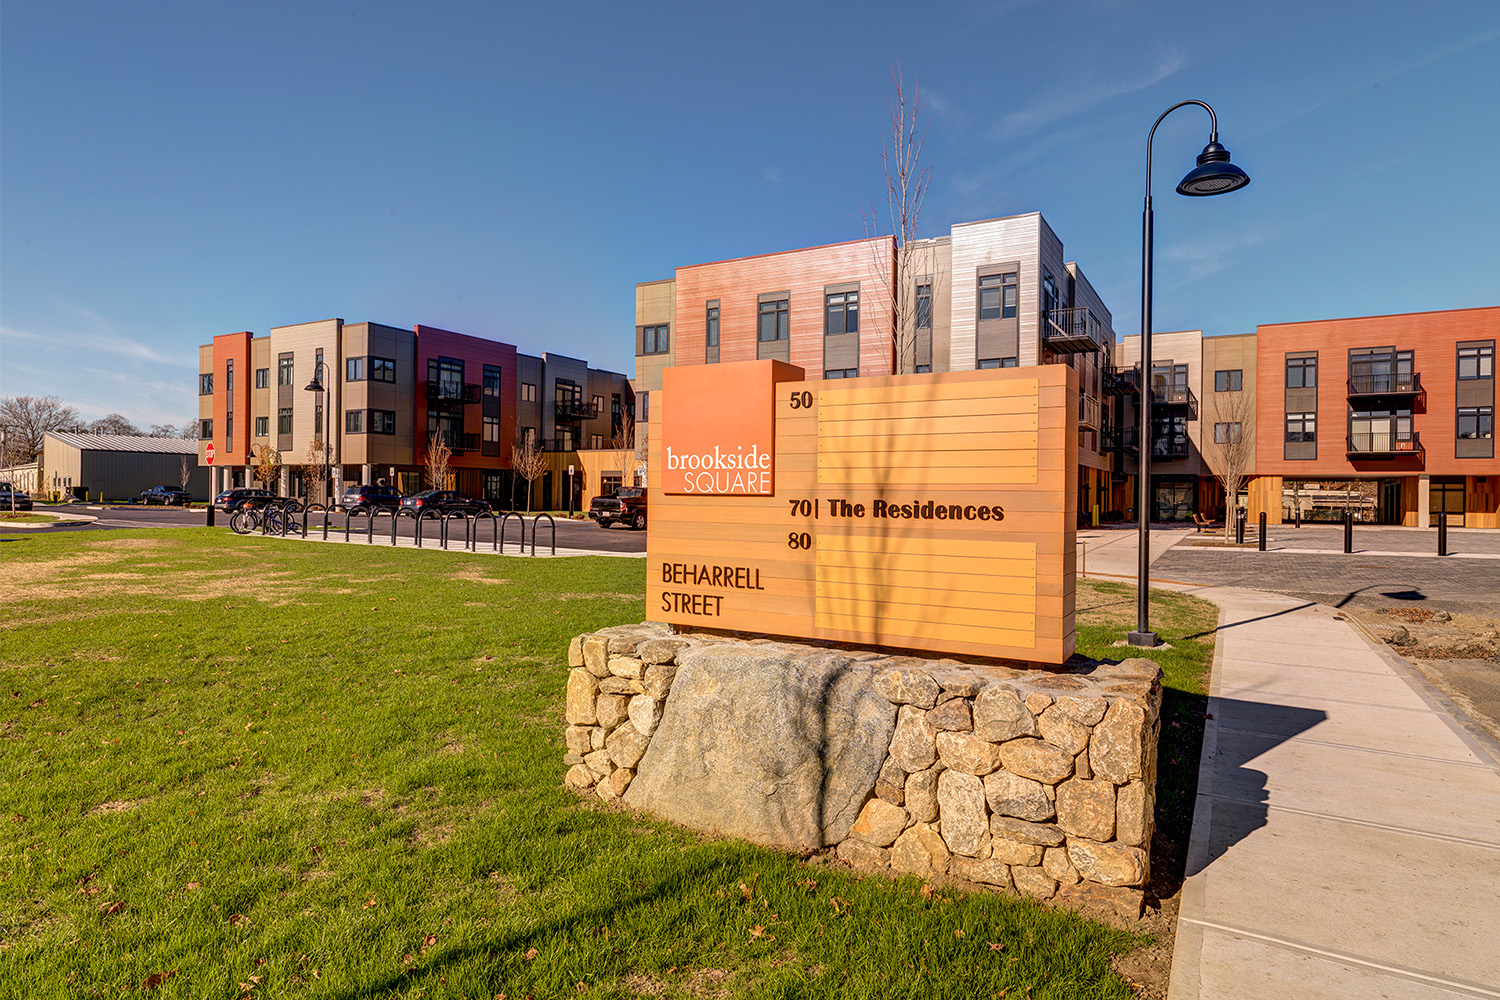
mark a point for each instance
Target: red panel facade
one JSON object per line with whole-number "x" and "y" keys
{"x": 232, "y": 445}
{"x": 475, "y": 353}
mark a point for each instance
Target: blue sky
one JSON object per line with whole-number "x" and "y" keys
{"x": 174, "y": 170}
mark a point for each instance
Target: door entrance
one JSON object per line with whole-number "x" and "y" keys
{"x": 1446, "y": 498}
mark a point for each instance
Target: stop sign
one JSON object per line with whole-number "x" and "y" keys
{"x": 208, "y": 453}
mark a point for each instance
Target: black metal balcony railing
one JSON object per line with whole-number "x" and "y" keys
{"x": 1386, "y": 444}
{"x": 460, "y": 443}
{"x": 1168, "y": 449}
{"x": 558, "y": 444}
{"x": 1390, "y": 384}
{"x": 575, "y": 409}
{"x": 1172, "y": 395}
{"x": 1121, "y": 439}
{"x": 1076, "y": 331}
{"x": 1119, "y": 381}
{"x": 452, "y": 391}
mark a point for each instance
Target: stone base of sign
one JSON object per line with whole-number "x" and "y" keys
{"x": 1041, "y": 782}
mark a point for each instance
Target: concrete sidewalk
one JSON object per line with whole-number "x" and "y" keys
{"x": 1346, "y": 837}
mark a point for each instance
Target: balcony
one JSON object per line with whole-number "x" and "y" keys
{"x": 451, "y": 392}
{"x": 1168, "y": 448}
{"x": 1120, "y": 381}
{"x": 1390, "y": 384}
{"x": 1121, "y": 439}
{"x": 1076, "y": 331}
{"x": 574, "y": 409}
{"x": 1173, "y": 395}
{"x": 460, "y": 443}
{"x": 1385, "y": 444}
{"x": 1088, "y": 411}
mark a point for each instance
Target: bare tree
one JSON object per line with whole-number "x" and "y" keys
{"x": 27, "y": 419}
{"x": 315, "y": 472}
{"x": 623, "y": 444}
{"x": 527, "y": 460}
{"x": 185, "y": 471}
{"x": 115, "y": 424}
{"x": 438, "y": 457}
{"x": 267, "y": 464}
{"x": 163, "y": 431}
{"x": 642, "y": 453}
{"x": 906, "y": 183}
{"x": 1231, "y": 456}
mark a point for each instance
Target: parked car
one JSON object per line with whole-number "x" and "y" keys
{"x": 230, "y": 501}
{"x": 165, "y": 495}
{"x": 443, "y": 501}
{"x": 368, "y": 498}
{"x": 627, "y": 505}
{"x": 13, "y": 499}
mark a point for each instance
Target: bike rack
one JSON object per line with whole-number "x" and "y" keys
{"x": 375, "y": 512}
{"x": 420, "y": 516}
{"x": 505, "y": 520}
{"x": 536, "y": 525}
{"x": 443, "y": 531}
{"x": 494, "y": 529}
{"x": 353, "y": 512}
{"x": 401, "y": 512}
{"x": 324, "y": 511}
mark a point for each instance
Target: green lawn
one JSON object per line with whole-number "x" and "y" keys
{"x": 245, "y": 767}
{"x": 25, "y": 517}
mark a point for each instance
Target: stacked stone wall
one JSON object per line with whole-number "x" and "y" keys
{"x": 1038, "y": 781}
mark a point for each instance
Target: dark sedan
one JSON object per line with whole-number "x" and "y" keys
{"x": 13, "y": 499}
{"x": 230, "y": 501}
{"x": 443, "y": 501}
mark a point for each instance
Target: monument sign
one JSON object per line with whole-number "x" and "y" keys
{"x": 924, "y": 512}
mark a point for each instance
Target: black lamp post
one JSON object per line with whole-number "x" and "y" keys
{"x": 1214, "y": 174}
{"x": 316, "y": 385}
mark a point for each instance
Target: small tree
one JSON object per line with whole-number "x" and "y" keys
{"x": 1232, "y": 458}
{"x": 438, "y": 457}
{"x": 316, "y": 469}
{"x": 623, "y": 444}
{"x": 185, "y": 471}
{"x": 267, "y": 464}
{"x": 527, "y": 460}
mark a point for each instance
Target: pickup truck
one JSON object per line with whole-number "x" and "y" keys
{"x": 165, "y": 495}
{"x": 627, "y": 505}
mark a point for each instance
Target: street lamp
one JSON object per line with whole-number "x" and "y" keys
{"x": 316, "y": 385}
{"x": 1214, "y": 174}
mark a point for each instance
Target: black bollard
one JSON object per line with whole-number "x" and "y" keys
{"x": 1348, "y": 532}
{"x": 210, "y": 513}
{"x": 1262, "y": 531}
{"x": 1443, "y": 533}
{"x": 1239, "y": 527}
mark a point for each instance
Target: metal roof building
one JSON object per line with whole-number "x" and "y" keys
{"x": 111, "y": 467}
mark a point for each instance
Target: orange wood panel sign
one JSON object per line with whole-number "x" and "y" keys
{"x": 926, "y": 512}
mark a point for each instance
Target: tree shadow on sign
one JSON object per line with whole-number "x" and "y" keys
{"x": 1236, "y": 801}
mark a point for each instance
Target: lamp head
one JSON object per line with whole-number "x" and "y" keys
{"x": 1214, "y": 174}
{"x": 316, "y": 385}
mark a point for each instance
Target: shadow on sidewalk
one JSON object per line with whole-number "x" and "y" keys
{"x": 1246, "y": 730}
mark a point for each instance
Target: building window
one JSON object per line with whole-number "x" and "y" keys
{"x": 1476, "y": 422}
{"x": 1476, "y": 362}
{"x": 997, "y": 296}
{"x": 528, "y": 392}
{"x": 1226, "y": 433}
{"x": 841, "y": 373}
{"x": 206, "y": 430}
{"x": 1010, "y": 362}
{"x": 354, "y": 421}
{"x": 597, "y": 406}
{"x": 655, "y": 339}
{"x": 382, "y": 370}
{"x": 1169, "y": 436}
{"x": 1231, "y": 380}
{"x": 711, "y": 326}
{"x": 492, "y": 381}
{"x": 1051, "y": 301}
{"x": 263, "y": 424}
{"x": 229, "y": 432}
{"x": 354, "y": 369}
{"x": 491, "y": 430}
{"x": 284, "y": 420}
{"x": 842, "y": 312}
{"x": 1301, "y": 427}
{"x": 262, "y": 378}
{"x": 206, "y": 384}
{"x": 1301, "y": 373}
{"x": 284, "y": 371}
{"x": 924, "y": 369}
{"x": 996, "y": 363}
{"x": 229, "y": 380}
{"x": 382, "y": 421}
{"x": 774, "y": 321}
{"x": 924, "y": 306}
{"x": 596, "y": 441}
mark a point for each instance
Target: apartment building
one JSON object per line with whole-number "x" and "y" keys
{"x": 1399, "y": 408}
{"x": 380, "y": 394}
{"x": 989, "y": 294}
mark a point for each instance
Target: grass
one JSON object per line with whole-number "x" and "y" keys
{"x": 23, "y": 517}
{"x": 246, "y": 767}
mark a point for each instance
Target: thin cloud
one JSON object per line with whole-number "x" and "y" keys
{"x": 97, "y": 343}
{"x": 1076, "y": 100}
{"x": 1200, "y": 258}
{"x": 1426, "y": 59}
{"x": 772, "y": 174}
